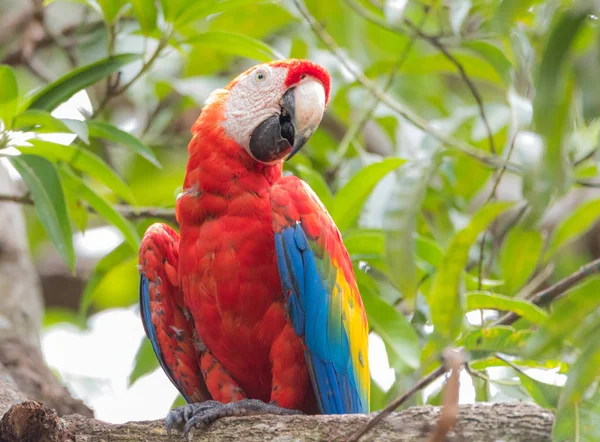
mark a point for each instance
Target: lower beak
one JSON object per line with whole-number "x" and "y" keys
{"x": 302, "y": 109}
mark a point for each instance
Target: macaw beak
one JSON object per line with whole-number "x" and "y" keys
{"x": 302, "y": 108}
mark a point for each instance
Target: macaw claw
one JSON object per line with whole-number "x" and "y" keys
{"x": 201, "y": 415}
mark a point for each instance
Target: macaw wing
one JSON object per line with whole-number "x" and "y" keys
{"x": 323, "y": 301}
{"x": 167, "y": 322}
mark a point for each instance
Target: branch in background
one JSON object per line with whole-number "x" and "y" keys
{"x": 18, "y": 55}
{"x": 551, "y": 293}
{"x": 13, "y": 21}
{"x": 450, "y": 142}
{"x": 129, "y": 212}
{"x": 435, "y": 42}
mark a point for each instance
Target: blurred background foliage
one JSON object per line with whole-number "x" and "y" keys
{"x": 458, "y": 156}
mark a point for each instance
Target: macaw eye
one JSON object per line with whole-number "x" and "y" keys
{"x": 260, "y": 76}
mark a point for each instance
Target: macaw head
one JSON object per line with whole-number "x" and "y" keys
{"x": 272, "y": 109}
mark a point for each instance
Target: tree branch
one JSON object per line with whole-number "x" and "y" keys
{"x": 128, "y": 212}
{"x": 549, "y": 294}
{"x": 516, "y": 422}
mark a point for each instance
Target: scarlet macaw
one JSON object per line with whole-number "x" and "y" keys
{"x": 254, "y": 308}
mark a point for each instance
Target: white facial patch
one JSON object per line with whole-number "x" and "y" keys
{"x": 252, "y": 100}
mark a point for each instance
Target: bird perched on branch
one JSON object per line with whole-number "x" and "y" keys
{"x": 254, "y": 307}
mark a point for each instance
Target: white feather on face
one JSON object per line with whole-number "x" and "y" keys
{"x": 253, "y": 99}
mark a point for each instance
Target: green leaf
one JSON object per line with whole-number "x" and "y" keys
{"x": 545, "y": 395}
{"x": 364, "y": 244}
{"x": 41, "y": 121}
{"x": 378, "y": 397}
{"x": 317, "y": 183}
{"x": 59, "y": 315}
{"x": 348, "y": 202}
{"x": 426, "y": 249}
{"x": 189, "y": 11}
{"x": 146, "y": 13}
{"x": 83, "y": 160}
{"x": 525, "y": 309}
{"x": 299, "y": 49}
{"x": 401, "y": 220}
{"x": 519, "y": 257}
{"x": 9, "y": 95}
{"x": 78, "y": 211}
{"x": 100, "y": 129}
{"x": 551, "y": 105}
{"x": 50, "y": 96}
{"x": 110, "y": 9}
{"x": 400, "y": 338}
{"x": 492, "y": 361}
{"x": 145, "y": 361}
{"x": 49, "y": 201}
{"x": 578, "y": 422}
{"x": 573, "y": 226}
{"x": 103, "y": 208}
{"x": 493, "y": 56}
{"x": 473, "y": 283}
{"x": 509, "y": 10}
{"x": 586, "y": 369}
{"x": 236, "y": 44}
{"x": 178, "y": 402}
{"x": 118, "y": 255}
{"x": 501, "y": 339}
{"x": 444, "y": 297}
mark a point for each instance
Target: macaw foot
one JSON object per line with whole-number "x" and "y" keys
{"x": 202, "y": 414}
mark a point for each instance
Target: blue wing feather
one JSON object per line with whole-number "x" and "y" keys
{"x": 146, "y": 313}
{"x": 306, "y": 282}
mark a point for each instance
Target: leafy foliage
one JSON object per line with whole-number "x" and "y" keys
{"x": 450, "y": 167}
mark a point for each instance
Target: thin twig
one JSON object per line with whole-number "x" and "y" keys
{"x": 450, "y": 142}
{"x": 491, "y": 196}
{"x": 510, "y": 364}
{"x": 128, "y": 212}
{"x": 424, "y": 382}
{"x": 114, "y": 91}
{"x": 536, "y": 282}
{"x": 435, "y": 42}
{"x": 476, "y": 373}
{"x": 549, "y": 294}
{"x": 500, "y": 173}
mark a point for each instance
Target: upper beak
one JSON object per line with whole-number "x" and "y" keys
{"x": 305, "y": 104}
